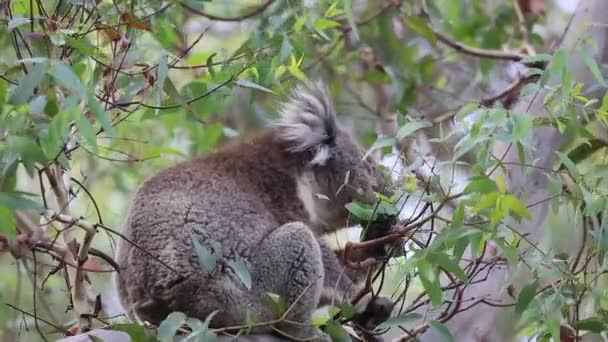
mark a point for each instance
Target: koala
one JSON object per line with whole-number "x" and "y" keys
{"x": 263, "y": 201}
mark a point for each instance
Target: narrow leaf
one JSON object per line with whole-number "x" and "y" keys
{"x": 411, "y": 127}
{"x": 514, "y": 205}
{"x": 418, "y": 25}
{"x": 241, "y": 270}
{"x": 402, "y": 319}
{"x": 337, "y": 332}
{"x": 541, "y": 57}
{"x": 249, "y": 84}
{"x": 381, "y": 143}
{"x": 466, "y": 110}
{"x": 100, "y": 114}
{"x": 458, "y": 217}
{"x": 348, "y": 9}
{"x": 7, "y": 222}
{"x": 22, "y": 93}
{"x": 64, "y": 75}
{"x": 594, "y": 324}
{"x": 17, "y": 202}
{"x": 87, "y": 131}
{"x": 16, "y": 22}
{"x": 135, "y": 331}
{"x": 522, "y": 125}
{"x": 168, "y": 327}
{"x": 430, "y": 283}
{"x": 206, "y": 258}
{"x": 448, "y": 264}
{"x": 442, "y": 330}
{"x": 525, "y": 297}
{"x": 593, "y": 67}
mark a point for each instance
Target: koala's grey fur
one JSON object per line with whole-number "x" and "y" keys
{"x": 266, "y": 200}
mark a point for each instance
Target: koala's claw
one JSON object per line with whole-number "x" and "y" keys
{"x": 372, "y": 311}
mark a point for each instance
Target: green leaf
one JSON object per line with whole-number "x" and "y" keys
{"x": 451, "y": 235}
{"x": 514, "y": 205}
{"x": 26, "y": 148}
{"x": 17, "y": 21}
{"x": 521, "y": 154}
{"x": 249, "y": 84}
{"x": 544, "y": 79}
{"x": 206, "y": 259}
{"x": 240, "y": 268}
{"x": 430, "y": 282}
{"x": 100, "y": 114}
{"x": 168, "y": 327}
{"x": 65, "y": 76}
{"x": 553, "y": 325}
{"x": 458, "y": 217}
{"x": 381, "y": 143}
{"x": 201, "y": 335}
{"x": 348, "y": 9}
{"x": 541, "y": 57}
{"x": 22, "y": 93}
{"x": 171, "y": 90}
{"x": 275, "y": 303}
{"x": 161, "y": 75}
{"x": 57, "y": 38}
{"x": 37, "y": 105}
{"x": 559, "y": 61}
{"x": 526, "y": 296}
{"x": 16, "y": 202}
{"x": 82, "y": 45}
{"x": 412, "y": 127}
{"x": 87, "y": 131}
{"x": 568, "y": 163}
{"x": 444, "y": 261}
{"x": 347, "y": 310}
{"x": 509, "y": 251}
{"x": 594, "y": 324}
{"x": 487, "y": 201}
{"x": 593, "y": 67}
{"x": 522, "y": 125}
{"x": 7, "y": 221}
{"x": 418, "y": 25}
{"x": 359, "y": 211}
{"x": 402, "y": 319}
{"x": 286, "y": 49}
{"x": 322, "y": 24}
{"x": 466, "y": 110}
{"x": 598, "y": 171}
{"x": 502, "y": 186}
{"x": 135, "y": 331}
{"x": 337, "y": 332}
{"x": 442, "y": 330}
{"x": 481, "y": 185}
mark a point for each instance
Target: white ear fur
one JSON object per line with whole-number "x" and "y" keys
{"x": 308, "y": 121}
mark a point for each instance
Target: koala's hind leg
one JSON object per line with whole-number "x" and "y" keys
{"x": 289, "y": 264}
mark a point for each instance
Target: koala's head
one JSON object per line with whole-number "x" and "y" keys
{"x": 334, "y": 171}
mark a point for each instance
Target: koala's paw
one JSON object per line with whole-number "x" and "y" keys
{"x": 372, "y": 311}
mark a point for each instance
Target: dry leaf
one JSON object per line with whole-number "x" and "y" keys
{"x": 132, "y": 21}
{"x": 110, "y": 32}
{"x": 535, "y": 7}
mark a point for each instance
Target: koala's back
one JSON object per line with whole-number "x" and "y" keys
{"x": 234, "y": 197}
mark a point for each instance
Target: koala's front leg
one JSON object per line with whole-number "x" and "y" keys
{"x": 339, "y": 287}
{"x": 338, "y": 284}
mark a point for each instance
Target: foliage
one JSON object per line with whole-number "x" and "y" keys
{"x": 95, "y": 96}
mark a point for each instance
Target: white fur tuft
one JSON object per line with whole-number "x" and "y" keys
{"x": 308, "y": 121}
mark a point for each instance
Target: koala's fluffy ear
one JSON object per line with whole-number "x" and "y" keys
{"x": 308, "y": 122}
